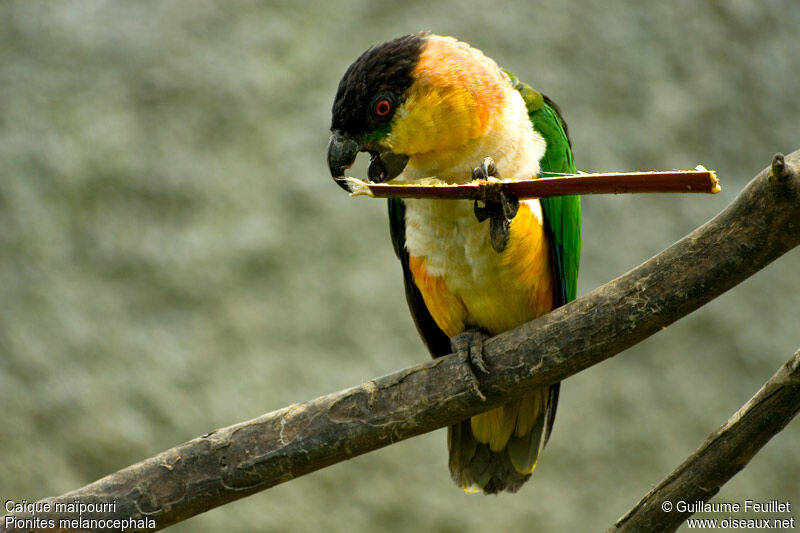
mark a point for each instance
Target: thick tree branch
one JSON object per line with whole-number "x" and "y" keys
{"x": 233, "y": 462}
{"x": 724, "y": 453}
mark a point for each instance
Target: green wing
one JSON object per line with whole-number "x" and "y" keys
{"x": 562, "y": 214}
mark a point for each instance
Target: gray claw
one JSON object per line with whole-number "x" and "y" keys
{"x": 510, "y": 204}
{"x": 469, "y": 347}
{"x": 488, "y": 168}
{"x": 499, "y": 229}
{"x": 499, "y": 206}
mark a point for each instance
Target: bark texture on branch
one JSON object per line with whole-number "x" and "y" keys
{"x": 230, "y": 463}
{"x": 724, "y": 453}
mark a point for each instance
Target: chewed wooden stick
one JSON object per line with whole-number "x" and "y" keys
{"x": 699, "y": 180}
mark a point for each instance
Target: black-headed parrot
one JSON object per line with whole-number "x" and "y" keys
{"x": 425, "y": 106}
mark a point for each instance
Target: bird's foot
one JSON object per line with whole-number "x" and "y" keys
{"x": 469, "y": 347}
{"x": 499, "y": 206}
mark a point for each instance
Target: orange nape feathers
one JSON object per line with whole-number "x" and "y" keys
{"x": 456, "y": 94}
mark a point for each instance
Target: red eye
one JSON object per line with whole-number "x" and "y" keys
{"x": 383, "y": 108}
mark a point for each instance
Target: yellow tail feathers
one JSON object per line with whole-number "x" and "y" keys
{"x": 497, "y": 450}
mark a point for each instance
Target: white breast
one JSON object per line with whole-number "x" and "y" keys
{"x": 446, "y": 232}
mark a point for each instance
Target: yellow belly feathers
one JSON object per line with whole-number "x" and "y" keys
{"x": 464, "y": 281}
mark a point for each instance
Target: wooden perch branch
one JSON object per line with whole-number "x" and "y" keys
{"x": 724, "y": 453}
{"x": 610, "y": 183}
{"x": 233, "y": 462}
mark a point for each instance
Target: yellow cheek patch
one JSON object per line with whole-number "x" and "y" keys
{"x": 434, "y": 119}
{"x": 456, "y": 94}
{"x": 447, "y": 310}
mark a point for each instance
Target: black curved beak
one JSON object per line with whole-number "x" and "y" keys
{"x": 342, "y": 150}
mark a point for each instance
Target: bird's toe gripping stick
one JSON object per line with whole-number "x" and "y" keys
{"x": 499, "y": 205}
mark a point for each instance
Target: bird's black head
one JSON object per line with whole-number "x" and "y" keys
{"x": 370, "y": 92}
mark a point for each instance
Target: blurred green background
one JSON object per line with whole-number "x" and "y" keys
{"x": 174, "y": 256}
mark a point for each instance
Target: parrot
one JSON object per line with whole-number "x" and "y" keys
{"x": 424, "y": 105}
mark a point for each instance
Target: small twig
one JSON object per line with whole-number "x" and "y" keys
{"x": 701, "y": 180}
